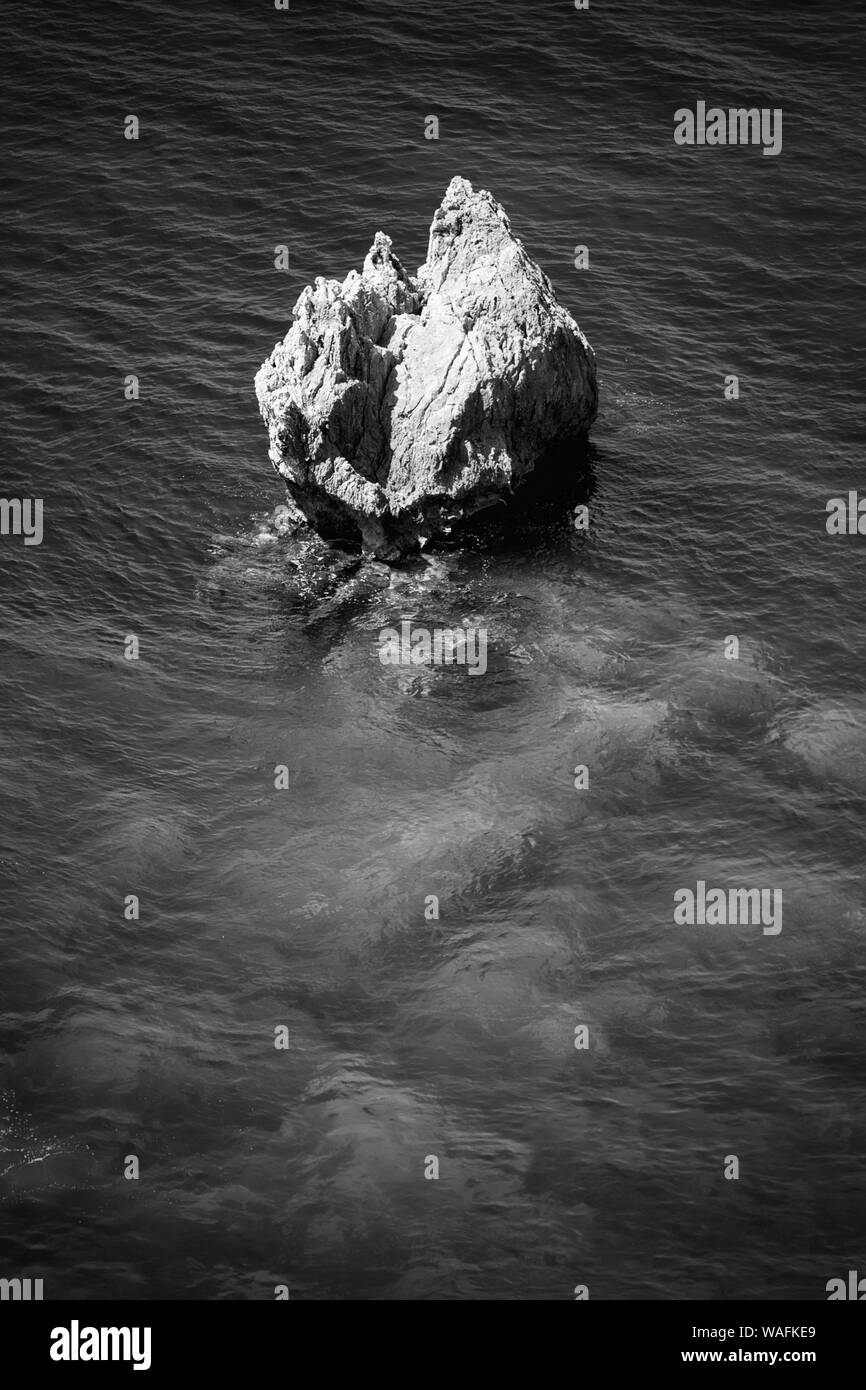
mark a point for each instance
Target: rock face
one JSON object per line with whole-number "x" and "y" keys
{"x": 396, "y": 407}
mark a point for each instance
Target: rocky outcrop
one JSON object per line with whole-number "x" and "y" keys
{"x": 396, "y": 407}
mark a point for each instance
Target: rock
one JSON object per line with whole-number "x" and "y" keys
{"x": 396, "y": 407}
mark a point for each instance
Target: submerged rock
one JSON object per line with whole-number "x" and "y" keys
{"x": 396, "y": 407}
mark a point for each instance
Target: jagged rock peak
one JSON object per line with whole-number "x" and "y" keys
{"x": 398, "y": 406}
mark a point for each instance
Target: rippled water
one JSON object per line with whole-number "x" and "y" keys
{"x": 306, "y": 907}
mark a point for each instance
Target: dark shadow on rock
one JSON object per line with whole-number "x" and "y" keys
{"x": 333, "y": 582}
{"x": 563, "y": 479}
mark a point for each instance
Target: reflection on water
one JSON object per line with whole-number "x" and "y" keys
{"x": 438, "y": 910}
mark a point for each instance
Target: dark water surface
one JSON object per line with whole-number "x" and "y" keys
{"x": 306, "y": 908}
